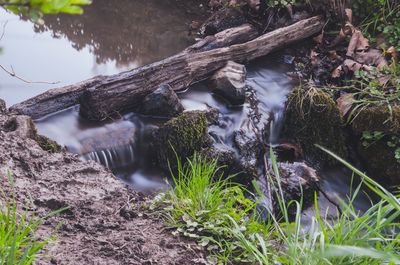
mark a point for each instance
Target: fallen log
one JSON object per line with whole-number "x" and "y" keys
{"x": 123, "y": 92}
{"x": 58, "y": 99}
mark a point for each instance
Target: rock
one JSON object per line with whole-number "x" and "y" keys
{"x": 299, "y": 182}
{"x": 3, "y": 107}
{"x": 229, "y": 82}
{"x": 163, "y": 102}
{"x": 312, "y": 117}
{"x": 112, "y": 148}
{"x": 377, "y": 118}
{"x": 380, "y": 161}
{"x": 222, "y": 19}
{"x": 379, "y": 155}
{"x": 181, "y": 137}
{"x": 108, "y": 139}
{"x": 229, "y": 164}
{"x": 249, "y": 146}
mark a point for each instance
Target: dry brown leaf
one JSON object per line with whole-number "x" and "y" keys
{"x": 355, "y": 66}
{"x": 383, "y": 80}
{"x": 371, "y": 57}
{"x": 337, "y": 72}
{"x": 349, "y": 15}
{"x": 357, "y": 43}
{"x": 393, "y": 53}
{"x": 344, "y": 103}
{"x": 314, "y": 57}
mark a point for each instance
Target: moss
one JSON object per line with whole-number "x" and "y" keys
{"x": 47, "y": 144}
{"x": 378, "y": 118}
{"x": 381, "y": 162}
{"x": 312, "y": 117}
{"x": 181, "y": 136}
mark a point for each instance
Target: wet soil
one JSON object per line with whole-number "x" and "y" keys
{"x": 104, "y": 223}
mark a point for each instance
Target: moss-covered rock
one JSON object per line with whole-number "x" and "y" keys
{"x": 379, "y": 155}
{"x": 377, "y": 118}
{"x": 380, "y": 161}
{"x": 312, "y": 117}
{"x": 48, "y": 145}
{"x": 181, "y": 137}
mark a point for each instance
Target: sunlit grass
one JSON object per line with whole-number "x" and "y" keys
{"x": 18, "y": 242}
{"x": 203, "y": 206}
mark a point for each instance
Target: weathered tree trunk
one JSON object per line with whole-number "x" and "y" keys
{"x": 61, "y": 98}
{"x": 123, "y": 92}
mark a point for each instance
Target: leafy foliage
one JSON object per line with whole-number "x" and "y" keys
{"x": 36, "y": 8}
{"x": 380, "y": 16}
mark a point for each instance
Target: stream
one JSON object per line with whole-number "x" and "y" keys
{"x": 67, "y": 49}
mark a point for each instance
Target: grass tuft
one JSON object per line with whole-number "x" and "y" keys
{"x": 18, "y": 243}
{"x": 221, "y": 218}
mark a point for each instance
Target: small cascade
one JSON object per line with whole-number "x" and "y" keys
{"x": 272, "y": 88}
{"x": 114, "y": 158}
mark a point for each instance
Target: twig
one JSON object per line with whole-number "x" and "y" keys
{"x": 13, "y": 74}
{"x": 4, "y": 30}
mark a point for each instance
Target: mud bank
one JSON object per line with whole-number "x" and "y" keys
{"x": 104, "y": 222}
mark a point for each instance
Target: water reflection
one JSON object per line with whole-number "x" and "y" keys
{"x": 111, "y": 36}
{"x": 126, "y": 31}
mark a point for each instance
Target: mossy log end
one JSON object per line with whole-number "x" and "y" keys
{"x": 123, "y": 92}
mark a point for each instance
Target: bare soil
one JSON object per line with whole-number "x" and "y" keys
{"x": 105, "y": 222}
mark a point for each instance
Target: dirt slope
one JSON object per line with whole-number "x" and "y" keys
{"x": 105, "y": 223}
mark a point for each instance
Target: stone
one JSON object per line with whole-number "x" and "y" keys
{"x": 380, "y": 161}
{"x": 229, "y": 165}
{"x": 3, "y": 108}
{"x": 163, "y": 102}
{"x": 298, "y": 181}
{"x": 379, "y": 118}
{"x": 229, "y": 82}
{"x": 180, "y": 138}
{"x": 312, "y": 117}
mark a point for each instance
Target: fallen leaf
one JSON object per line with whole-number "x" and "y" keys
{"x": 337, "y": 72}
{"x": 344, "y": 103}
{"x": 349, "y": 15}
{"x": 393, "y": 53}
{"x": 357, "y": 43}
{"x": 314, "y": 57}
{"x": 383, "y": 80}
{"x": 372, "y": 57}
{"x": 355, "y": 66}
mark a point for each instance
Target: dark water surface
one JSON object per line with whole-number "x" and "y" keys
{"x": 117, "y": 35}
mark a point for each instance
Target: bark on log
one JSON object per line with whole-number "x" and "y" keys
{"x": 123, "y": 92}
{"x": 58, "y": 99}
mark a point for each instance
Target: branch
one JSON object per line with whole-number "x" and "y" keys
{"x": 13, "y": 74}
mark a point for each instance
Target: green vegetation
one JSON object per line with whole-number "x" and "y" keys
{"x": 181, "y": 135}
{"x": 380, "y": 16}
{"x": 312, "y": 117}
{"x": 36, "y": 8}
{"x": 214, "y": 211}
{"x": 18, "y": 242}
